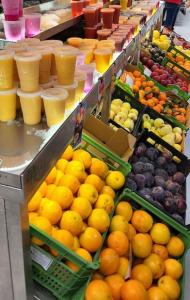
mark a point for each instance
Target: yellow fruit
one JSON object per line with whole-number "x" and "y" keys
{"x": 76, "y": 243}
{"x": 97, "y": 275}
{"x": 49, "y": 190}
{"x": 83, "y": 156}
{"x": 75, "y": 168}
{"x": 115, "y": 179}
{"x": 115, "y": 283}
{"x": 96, "y": 181}
{"x": 142, "y": 221}
{"x": 88, "y": 191}
{"x": 34, "y": 203}
{"x": 175, "y": 246}
{"x": 43, "y": 224}
{"x": 32, "y": 215}
{"x": 155, "y": 293}
{"x": 71, "y": 182}
{"x": 124, "y": 209}
{"x": 108, "y": 190}
{"x": 82, "y": 206}
{"x": 98, "y": 290}
{"x": 131, "y": 232}
{"x": 143, "y": 274}
{"x": 90, "y": 239}
{"x": 61, "y": 164}
{"x": 118, "y": 241}
{"x": 141, "y": 245}
{"x": 133, "y": 290}
{"x": 63, "y": 196}
{"x": 58, "y": 177}
{"x": 156, "y": 264}
{"x": 119, "y": 223}
{"x": 160, "y": 250}
{"x": 68, "y": 153}
{"x": 64, "y": 237}
{"x": 50, "y": 210}
{"x": 82, "y": 253}
{"x": 51, "y": 176}
{"x": 71, "y": 221}
{"x": 42, "y": 188}
{"x": 99, "y": 168}
{"x": 109, "y": 261}
{"x": 170, "y": 286}
{"x": 105, "y": 201}
{"x": 173, "y": 268}
{"x": 160, "y": 234}
{"x": 99, "y": 219}
{"x": 123, "y": 266}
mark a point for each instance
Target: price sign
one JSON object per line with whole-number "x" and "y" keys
{"x": 79, "y": 122}
{"x": 40, "y": 258}
{"x": 147, "y": 72}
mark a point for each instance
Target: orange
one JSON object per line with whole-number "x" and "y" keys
{"x": 76, "y": 243}
{"x": 42, "y": 188}
{"x": 156, "y": 264}
{"x": 147, "y": 89}
{"x": 63, "y": 196}
{"x": 119, "y": 223}
{"x": 123, "y": 266}
{"x": 160, "y": 234}
{"x": 118, "y": 241}
{"x": 142, "y": 221}
{"x": 150, "y": 83}
{"x": 31, "y": 215}
{"x": 64, "y": 237}
{"x": 141, "y": 245}
{"x": 99, "y": 219}
{"x": 155, "y": 293}
{"x": 175, "y": 246}
{"x": 61, "y": 164}
{"x": 115, "y": 283}
{"x": 90, "y": 239}
{"x": 82, "y": 253}
{"x": 99, "y": 168}
{"x": 58, "y": 177}
{"x": 108, "y": 190}
{"x": 72, "y": 222}
{"x": 143, "y": 274}
{"x": 88, "y": 191}
{"x": 71, "y": 182}
{"x": 173, "y": 268}
{"x": 75, "y": 168}
{"x": 43, "y": 224}
{"x": 133, "y": 290}
{"x": 105, "y": 201}
{"x": 131, "y": 232}
{"x": 138, "y": 83}
{"x": 98, "y": 290}
{"x": 96, "y": 181}
{"x": 115, "y": 179}
{"x": 82, "y": 206}
{"x": 49, "y": 190}
{"x": 170, "y": 286}
{"x": 124, "y": 209}
{"x": 136, "y": 74}
{"x": 135, "y": 88}
{"x": 68, "y": 153}
{"x": 83, "y": 156}
{"x": 50, "y": 210}
{"x": 160, "y": 250}
{"x": 109, "y": 261}
{"x": 97, "y": 275}
{"x": 51, "y": 176}
{"x": 35, "y": 201}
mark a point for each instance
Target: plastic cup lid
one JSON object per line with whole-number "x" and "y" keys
{"x": 111, "y": 10}
{"x": 20, "y": 93}
{"x": 80, "y": 76}
{"x": 66, "y": 52}
{"x": 48, "y": 85}
{"x": 6, "y": 54}
{"x": 8, "y": 92}
{"x": 28, "y": 56}
{"x": 103, "y": 51}
{"x": 67, "y": 87}
{"x": 52, "y": 43}
{"x": 55, "y": 94}
{"x": 86, "y": 68}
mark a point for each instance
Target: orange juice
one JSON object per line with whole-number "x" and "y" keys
{"x": 6, "y": 70}
{"x": 53, "y": 64}
{"x": 45, "y": 65}
{"x": 7, "y": 105}
{"x": 65, "y": 65}
{"x": 71, "y": 89}
{"x": 102, "y": 59}
{"x": 80, "y": 78}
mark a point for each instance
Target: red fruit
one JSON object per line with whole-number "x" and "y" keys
{"x": 150, "y": 63}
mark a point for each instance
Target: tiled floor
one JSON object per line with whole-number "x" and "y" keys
{"x": 183, "y": 25}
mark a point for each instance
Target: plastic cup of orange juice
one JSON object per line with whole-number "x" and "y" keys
{"x": 29, "y": 42}
{"x": 45, "y": 63}
{"x": 89, "y": 71}
{"x": 102, "y": 59}
{"x": 80, "y": 78}
{"x": 65, "y": 65}
{"x": 6, "y": 70}
{"x": 71, "y": 89}
{"x": 74, "y": 41}
{"x": 52, "y": 43}
{"x": 8, "y": 105}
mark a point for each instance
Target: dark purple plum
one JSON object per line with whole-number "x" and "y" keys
{"x": 145, "y": 191}
{"x": 170, "y": 205}
{"x": 180, "y": 203}
{"x": 149, "y": 179}
{"x": 161, "y": 161}
{"x": 179, "y": 177}
{"x": 171, "y": 168}
{"x": 138, "y": 167}
{"x": 159, "y": 181}
{"x": 162, "y": 173}
{"x": 144, "y": 159}
{"x": 148, "y": 167}
{"x": 152, "y": 153}
{"x": 131, "y": 184}
{"x": 167, "y": 155}
{"x": 178, "y": 218}
{"x": 173, "y": 187}
{"x": 158, "y": 193}
{"x": 168, "y": 194}
{"x": 140, "y": 150}
{"x": 134, "y": 159}
{"x": 131, "y": 176}
{"x": 140, "y": 181}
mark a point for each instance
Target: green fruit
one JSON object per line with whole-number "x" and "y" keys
{"x": 132, "y": 116}
{"x": 166, "y": 129}
{"x": 146, "y": 117}
{"x": 158, "y": 122}
{"x": 177, "y": 147}
{"x": 129, "y": 124}
{"x": 117, "y": 102}
{"x": 178, "y": 138}
{"x": 147, "y": 125}
{"x": 177, "y": 130}
{"x": 134, "y": 111}
{"x": 169, "y": 138}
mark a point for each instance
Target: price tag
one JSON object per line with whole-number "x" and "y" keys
{"x": 79, "y": 122}
{"x": 40, "y": 258}
{"x": 129, "y": 80}
{"x": 147, "y": 72}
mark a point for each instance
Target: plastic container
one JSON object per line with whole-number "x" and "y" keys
{"x": 90, "y": 16}
{"x": 7, "y": 105}
{"x": 11, "y": 9}
{"x": 6, "y": 70}
{"x": 71, "y": 90}
{"x": 124, "y": 4}
{"x": 116, "y": 13}
{"x": 32, "y": 24}
{"x": 80, "y": 78}
{"x": 103, "y": 59}
{"x": 74, "y": 41}
{"x": 20, "y": 8}
{"x": 89, "y": 71}
{"x": 77, "y": 7}
{"x": 65, "y": 65}
{"x": 103, "y": 34}
{"x": 107, "y": 16}
{"x": 90, "y": 32}
{"x": 13, "y": 30}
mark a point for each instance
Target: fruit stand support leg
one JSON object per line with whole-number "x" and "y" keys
{"x": 106, "y": 105}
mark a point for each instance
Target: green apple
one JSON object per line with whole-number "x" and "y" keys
{"x": 129, "y": 124}
{"x": 134, "y": 111}
{"x": 158, "y": 122}
{"x": 166, "y": 129}
{"x": 117, "y": 102}
{"x": 126, "y": 105}
{"x": 178, "y": 138}
{"x": 147, "y": 125}
{"x": 177, "y": 147}
{"x": 115, "y": 108}
{"x": 146, "y": 117}
{"x": 132, "y": 116}
{"x": 177, "y": 130}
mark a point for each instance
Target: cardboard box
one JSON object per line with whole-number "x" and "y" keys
{"x": 119, "y": 142}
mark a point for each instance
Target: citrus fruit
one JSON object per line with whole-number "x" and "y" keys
{"x": 63, "y": 196}
{"x": 119, "y": 223}
{"x": 123, "y": 266}
{"x": 70, "y": 181}
{"x": 133, "y": 290}
{"x": 76, "y": 243}
{"x": 131, "y": 232}
{"x": 32, "y": 215}
{"x": 160, "y": 234}
{"x": 97, "y": 275}
{"x": 175, "y": 246}
{"x": 96, "y": 181}
{"x": 99, "y": 219}
{"x": 118, "y": 241}
{"x": 90, "y": 239}
{"x": 51, "y": 176}
{"x": 105, "y": 201}
{"x": 109, "y": 261}
{"x": 115, "y": 283}
{"x": 83, "y": 156}
{"x": 82, "y": 253}
{"x": 99, "y": 168}
{"x": 88, "y": 191}
{"x": 75, "y": 168}
{"x": 115, "y": 179}
{"x": 35, "y": 201}
{"x": 143, "y": 274}
{"x": 49, "y": 190}
{"x": 155, "y": 293}
{"x": 142, "y": 221}
{"x": 160, "y": 250}
{"x": 108, "y": 190}
{"x": 68, "y": 153}
{"x": 82, "y": 206}
{"x": 42, "y": 188}
{"x": 50, "y": 210}
{"x": 173, "y": 268}
{"x": 61, "y": 164}
{"x": 43, "y": 224}
{"x": 64, "y": 237}
{"x": 98, "y": 289}
{"x": 170, "y": 286}
{"x": 156, "y": 265}
{"x": 124, "y": 209}
{"x": 71, "y": 221}
{"x": 58, "y": 177}
{"x": 141, "y": 245}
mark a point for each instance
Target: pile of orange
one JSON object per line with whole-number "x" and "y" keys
{"x": 74, "y": 202}
{"x": 180, "y": 60}
{"x": 140, "y": 260}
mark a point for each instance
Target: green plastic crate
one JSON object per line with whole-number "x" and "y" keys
{"x": 51, "y": 272}
{"x": 139, "y": 203}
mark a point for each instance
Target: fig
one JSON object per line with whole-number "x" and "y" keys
{"x": 178, "y": 218}
{"x": 161, "y": 161}
{"x": 148, "y": 167}
{"x": 170, "y": 205}
{"x": 140, "y": 150}
{"x": 149, "y": 179}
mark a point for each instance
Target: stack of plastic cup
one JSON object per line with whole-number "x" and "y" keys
{"x": 116, "y": 13}
{"x": 107, "y": 17}
{"x": 77, "y": 7}
{"x": 71, "y": 90}
{"x": 89, "y": 71}
{"x": 32, "y": 24}
{"x": 91, "y": 16}
{"x": 80, "y": 78}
